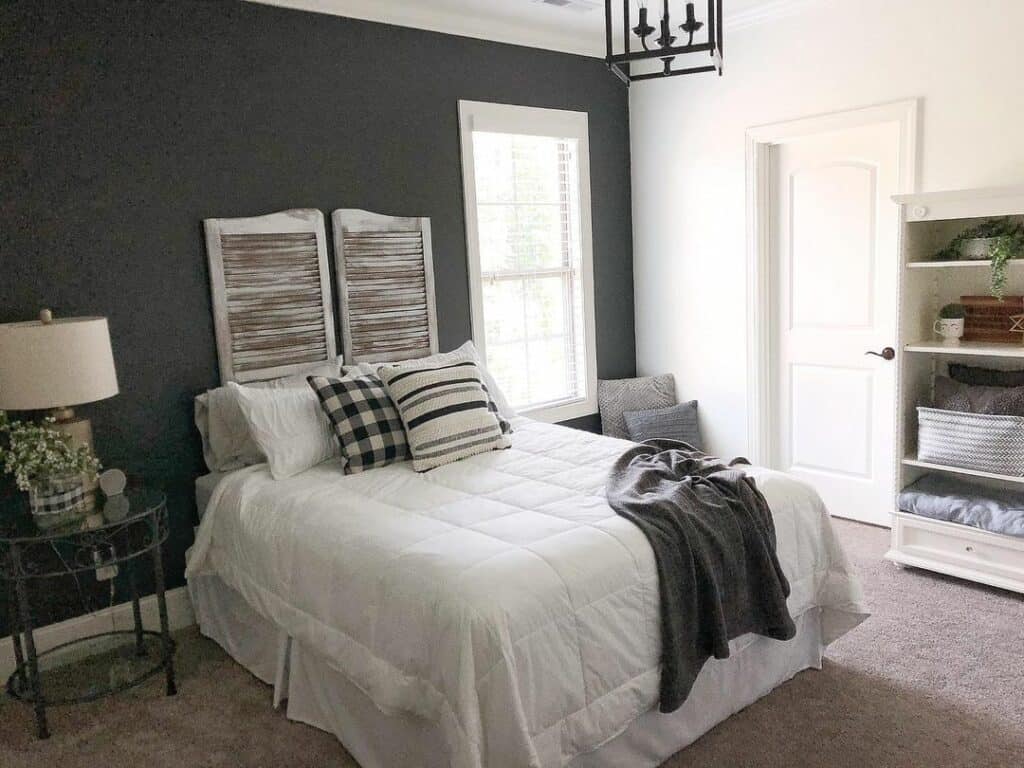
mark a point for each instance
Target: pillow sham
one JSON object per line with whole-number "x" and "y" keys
{"x": 288, "y": 426}
{"x": 227, "y": 444}
{"x": 446, "y": 412}
{"x": 677, "y": 422}
{"x": 366, "y": 422}
{"x": 616, "y": 396}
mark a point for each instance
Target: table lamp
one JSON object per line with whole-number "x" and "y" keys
{"x": 54, "y": 364}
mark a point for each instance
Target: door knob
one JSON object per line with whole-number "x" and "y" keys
{"x": 886, "y": 354}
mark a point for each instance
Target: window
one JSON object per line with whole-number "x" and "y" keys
{"x": 527, "y": 182}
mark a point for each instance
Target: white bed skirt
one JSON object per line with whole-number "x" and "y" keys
{"x": 320, "y": 696}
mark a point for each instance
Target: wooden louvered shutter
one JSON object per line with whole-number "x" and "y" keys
{"x": 385, "y": 286}
{"x": 271, "y": 287}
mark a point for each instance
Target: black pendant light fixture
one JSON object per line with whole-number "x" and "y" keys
{"x": 627, "y": 62}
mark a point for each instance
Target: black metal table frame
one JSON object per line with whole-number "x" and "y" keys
{"x": 16, "y": 569}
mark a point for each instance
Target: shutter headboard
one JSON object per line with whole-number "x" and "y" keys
{"x": 385, "y": 278}
{"x": 272, "y": 307}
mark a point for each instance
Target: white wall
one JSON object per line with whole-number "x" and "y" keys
{"x": 966, "y": 62}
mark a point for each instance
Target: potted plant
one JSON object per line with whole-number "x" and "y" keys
{"x": 950, "y": 325}
{"x": 998, "y": 240}
{"x": 44, "y": 462}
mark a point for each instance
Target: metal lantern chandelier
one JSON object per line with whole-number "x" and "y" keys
{"x": 664, "y": 46}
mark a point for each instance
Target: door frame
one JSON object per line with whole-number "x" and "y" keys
{"x": 759, "y": 141}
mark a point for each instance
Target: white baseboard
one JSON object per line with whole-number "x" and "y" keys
{"x": 179, "y": 616}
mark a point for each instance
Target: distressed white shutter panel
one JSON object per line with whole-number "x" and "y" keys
{"x": 385, "y": 286}
{"x": 271, "y": 287}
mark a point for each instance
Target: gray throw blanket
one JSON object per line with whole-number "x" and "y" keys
{"x": 714, "y": 542}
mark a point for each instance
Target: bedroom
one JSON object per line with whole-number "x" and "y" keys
{"x": 129, "y": 125}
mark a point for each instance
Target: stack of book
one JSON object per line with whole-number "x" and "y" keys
{"x": 987, "y": 318}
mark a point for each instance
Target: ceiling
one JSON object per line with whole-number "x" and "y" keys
{"x": 526, "y": 22}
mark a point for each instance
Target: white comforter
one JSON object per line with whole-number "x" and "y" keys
{"x": 498, "y": 596}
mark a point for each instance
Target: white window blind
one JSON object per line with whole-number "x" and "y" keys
{"x": 529, "y": 234}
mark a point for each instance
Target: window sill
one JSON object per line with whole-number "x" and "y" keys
{"x": 556, "y": 413}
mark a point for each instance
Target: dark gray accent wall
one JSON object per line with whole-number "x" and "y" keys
{"x": 124, "y": 124}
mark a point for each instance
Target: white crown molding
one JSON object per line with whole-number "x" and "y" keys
{"x": 420, "y": 15}
{"x": 765, "y": 12}
{"x": 590, "y": 42}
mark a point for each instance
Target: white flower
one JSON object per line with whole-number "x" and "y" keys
{"x": 37, "y": 453}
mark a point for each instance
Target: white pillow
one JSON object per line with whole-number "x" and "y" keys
{"x": 467, "y": 352}
{"x": 288, "y": 426}
{"x": 224, "y": 431}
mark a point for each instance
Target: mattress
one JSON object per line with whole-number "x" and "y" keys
{"x": 939, "y": 497}
{"x": 498, "y": 597}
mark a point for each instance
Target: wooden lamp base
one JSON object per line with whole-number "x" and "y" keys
{"x": 78, "y": 429}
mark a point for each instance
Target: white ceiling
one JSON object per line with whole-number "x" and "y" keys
{"x": 526, "y": 22}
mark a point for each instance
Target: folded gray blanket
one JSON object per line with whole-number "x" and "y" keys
{"x": 957, "y": 501}
{"x": 714, "y": 543}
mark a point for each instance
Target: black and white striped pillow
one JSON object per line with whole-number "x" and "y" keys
{"x": 492, "y": 404}
{"x": 446, "y": 412}
{"x": 366, "y": 421}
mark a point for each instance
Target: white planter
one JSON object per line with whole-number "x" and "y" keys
{"x": 60, "y": 501}
{"x": 977, "y": 248}
{"x": 951, "y": 330}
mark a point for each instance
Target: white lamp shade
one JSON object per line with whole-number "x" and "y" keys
{"x": 52, "y": 365}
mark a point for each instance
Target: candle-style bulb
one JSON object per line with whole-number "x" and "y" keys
{"x": 643, "y": 29}
{"x": 667, "y": 38}
{"x": 691, "y": 24}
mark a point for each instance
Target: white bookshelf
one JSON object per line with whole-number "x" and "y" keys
{"x": 929, "y": 222}
{"x": 911, "y": 461}
{"x": 967, "y": 348}
{"x": 966, "y": 264}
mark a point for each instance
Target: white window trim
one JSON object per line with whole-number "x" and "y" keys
{"x": 532, "y": 121}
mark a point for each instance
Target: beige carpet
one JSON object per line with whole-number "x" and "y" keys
{"x": 934, "y": 678}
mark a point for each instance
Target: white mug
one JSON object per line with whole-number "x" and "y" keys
{"x": 950, "y": 330}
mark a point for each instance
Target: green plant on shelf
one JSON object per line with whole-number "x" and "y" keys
{"x": 952, "y": 312}
{"x": 1004, "y": 249}
{"x": 1007, "y": 243}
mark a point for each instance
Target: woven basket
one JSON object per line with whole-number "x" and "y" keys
{"x": 971, "y": 440}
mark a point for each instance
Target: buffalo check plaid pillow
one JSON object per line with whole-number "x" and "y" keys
{"x": 366, "y": 421}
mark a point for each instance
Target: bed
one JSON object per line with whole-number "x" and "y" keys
{"x": 491, "y": 612}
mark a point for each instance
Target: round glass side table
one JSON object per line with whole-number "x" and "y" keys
{"x": 133, "y": 527}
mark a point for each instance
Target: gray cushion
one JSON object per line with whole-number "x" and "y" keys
{"x": 677, "y": 422}
{"x": 614, "y": 396}
{"x": 1000, "y": 401}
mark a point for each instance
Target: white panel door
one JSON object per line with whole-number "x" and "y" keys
{"x": 834, "y": 277}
